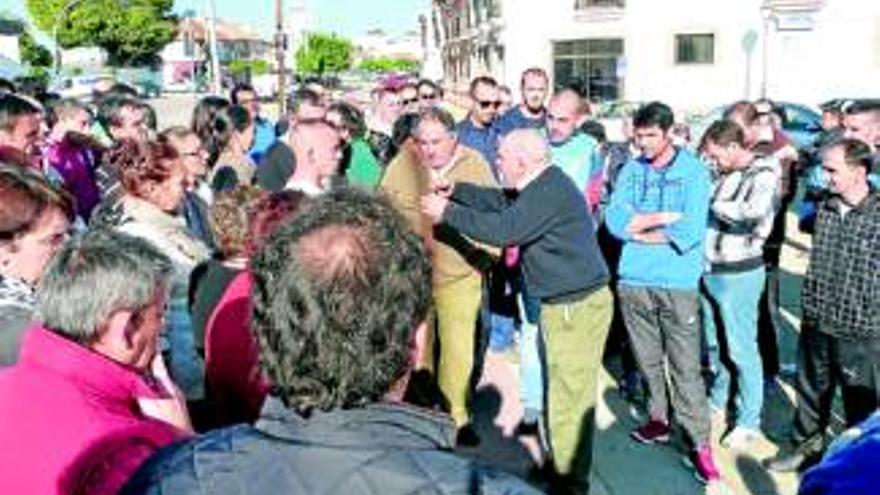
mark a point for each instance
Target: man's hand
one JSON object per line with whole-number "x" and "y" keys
{"x": 646, "y": 222}
{"x": 655, "y": 237}
{"x": 433, "y": 206}
{"x": 170, "y": 409}
{"x": 442, "y": 187}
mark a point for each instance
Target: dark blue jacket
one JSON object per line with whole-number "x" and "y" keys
{"x": 851, "y": 465}
{"x": 379, "y": 449}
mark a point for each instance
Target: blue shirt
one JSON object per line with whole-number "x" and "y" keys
{"x": 484, "y": 140}
{"x": 850, "y": 465}
{"x": 514, "y": 119}
{"x": 264, "y": 137}
{"x": 682, "y": 186}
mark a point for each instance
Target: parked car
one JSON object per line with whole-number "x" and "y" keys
{"x": 148, "y": 82}
{"x": 802, "y": 124}
{"x": 79, "y": 86}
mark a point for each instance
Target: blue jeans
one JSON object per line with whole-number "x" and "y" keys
{"x": 733, "y": 298}
{"x": 531, "y": 366}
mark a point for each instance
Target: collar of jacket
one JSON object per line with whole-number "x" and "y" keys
{"x": 173, "y": 226}
{"x": 377, "y": 425}
{"x": 108, "y": 380}
{"x": 833, "y": 204}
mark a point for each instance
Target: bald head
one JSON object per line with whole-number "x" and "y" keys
{"x": 522, "y": 153}
{"x": 316, "y": 145}
{"x": 565, "y": 114}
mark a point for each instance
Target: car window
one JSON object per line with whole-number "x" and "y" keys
{"x": 800, "y": 118}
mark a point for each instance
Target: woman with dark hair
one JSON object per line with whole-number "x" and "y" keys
{"x": 233, "y": 135}
{"x": 153, "y": 184}
{"x": 203, "y": 117}
{"x": 236, "y": 388}
{"x": 34, "y": 221}
{"x": 359, "y": 164}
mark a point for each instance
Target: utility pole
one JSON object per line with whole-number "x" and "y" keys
{"x": 216, "y": 87}
{"x": 280, "y": 51}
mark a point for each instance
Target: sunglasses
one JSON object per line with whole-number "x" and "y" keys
{"x": 409, "y": 101}
{"x": 426, "y": 96}
{"x": 485, "y": 104}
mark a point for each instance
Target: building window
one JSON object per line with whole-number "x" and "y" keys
{"x": 587, "y": 4}
{"x": 694, "y": 48}
{"x": 591, "y": 65}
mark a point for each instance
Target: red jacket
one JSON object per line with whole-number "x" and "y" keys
{"x": 70, "y": 422}
{"x": 235, "y": 386}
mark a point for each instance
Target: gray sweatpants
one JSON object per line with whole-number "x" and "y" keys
{"x": 664, "y": 328}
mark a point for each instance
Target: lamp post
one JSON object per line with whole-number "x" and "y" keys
{"x": 62, "y": 15}
{"x": 767, "y": 16}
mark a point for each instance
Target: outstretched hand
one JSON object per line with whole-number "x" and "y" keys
{"x": 433, "y": 206}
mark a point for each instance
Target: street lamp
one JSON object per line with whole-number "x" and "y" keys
{"x": 767, "y": 16}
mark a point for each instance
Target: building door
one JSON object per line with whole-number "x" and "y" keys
{"x": 591, "y": 66}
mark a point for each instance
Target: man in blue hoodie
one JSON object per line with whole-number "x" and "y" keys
{"x": 659, "y": 210}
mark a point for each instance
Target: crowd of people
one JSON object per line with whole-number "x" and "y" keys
{"x": 248, "y": 306}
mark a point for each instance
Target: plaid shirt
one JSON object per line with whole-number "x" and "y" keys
{"x": 841, "y": 293}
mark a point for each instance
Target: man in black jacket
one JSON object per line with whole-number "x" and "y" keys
{"x": 563, "y": 267}
{"x": 341, "y": 295}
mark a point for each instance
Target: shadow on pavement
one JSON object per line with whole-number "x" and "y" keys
{"x": 756, "y": 479}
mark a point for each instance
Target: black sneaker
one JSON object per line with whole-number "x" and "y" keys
{"x": 526, "y": 429}
{"x": 467, "y": 437}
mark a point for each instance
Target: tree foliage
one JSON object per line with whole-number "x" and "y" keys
{"x": 33, "y": 53}
{"x": 253, "y": 67}
{"x": 131, "y": 31}
{"x": 324, "y": 53}
{"x": 387, "y": 64}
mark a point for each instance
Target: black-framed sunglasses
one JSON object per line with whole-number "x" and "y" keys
{"x": 485, "y": 104}
{"x": 409, "y": 101}
{"x": 432, "y": 96}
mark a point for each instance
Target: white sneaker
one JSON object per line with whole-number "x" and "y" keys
{"x": 740, "y": 438}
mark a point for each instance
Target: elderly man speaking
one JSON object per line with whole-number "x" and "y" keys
{"x": 563, "y": 267}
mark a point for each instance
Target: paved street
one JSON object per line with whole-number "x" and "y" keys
{"x": 623, "y": 467}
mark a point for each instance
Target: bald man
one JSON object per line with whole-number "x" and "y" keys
{"x": 563, "y": 267}
{"x": 316, "y": 148}
{"x": 574, "y": 151}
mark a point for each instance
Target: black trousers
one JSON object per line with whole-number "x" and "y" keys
{"x": 824, "y": 362}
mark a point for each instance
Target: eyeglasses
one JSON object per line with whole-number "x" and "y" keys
{"x": 426, "y": 96}
{"x": 485, "y": 104}
{"x": 409, "y": 101}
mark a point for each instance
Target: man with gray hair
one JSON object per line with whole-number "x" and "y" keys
{"x": 89, "y": 399}
{"x": 563, "y": 268}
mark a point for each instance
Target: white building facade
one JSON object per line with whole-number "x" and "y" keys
{"x": 693, "y": 54}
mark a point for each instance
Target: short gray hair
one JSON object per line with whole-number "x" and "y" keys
{"x": 96, "y": 275}
{"x": 435, "y": 114}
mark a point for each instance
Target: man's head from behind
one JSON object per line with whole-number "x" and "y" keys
{"x": 316, "y": 145}
{"x": 119, "y": 284}
{"x": 521, "y": 154}
{"x": 338, "y": 296}
{"x": 565, "y": 114}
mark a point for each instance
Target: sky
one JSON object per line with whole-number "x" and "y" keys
{"x": 350, "y": 18}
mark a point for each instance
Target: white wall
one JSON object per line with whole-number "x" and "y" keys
{"x": 9, "y": 47}
{"x": 840, "y": 56}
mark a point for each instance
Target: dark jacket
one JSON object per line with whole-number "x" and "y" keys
{"x": 549, "y": 221}
{"x": 380, "y": 449}
{"x": 276, "y": 167}
{"x": 841, "y": 292}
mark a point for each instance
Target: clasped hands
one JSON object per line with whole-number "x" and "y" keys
{"x": 434, "y": 204}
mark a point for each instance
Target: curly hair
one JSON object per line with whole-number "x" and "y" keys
{"x": 140, "y": 163}
{"x": 337, "y": 295}
{"x": 230, "y": 216}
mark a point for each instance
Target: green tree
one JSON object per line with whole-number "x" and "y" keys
{"x": 324, "y": 53}
{"x": 33, "y": 53}
{"x": 240, "y": 67}
{"x": 131, "y": 31}
{"x": 387, "y": 64}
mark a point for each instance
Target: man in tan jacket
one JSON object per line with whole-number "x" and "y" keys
{"x": 458, "y": 263}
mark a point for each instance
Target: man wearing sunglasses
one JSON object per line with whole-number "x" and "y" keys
{"x": 476, "y": 130}
{"x": 430, "y": 94}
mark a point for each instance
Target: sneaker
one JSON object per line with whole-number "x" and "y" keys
{"x": 740, "y": 438}
{"x": 703, "y": 463}
{"x": 526, "y": 429}
{"x": 654, "y": 431}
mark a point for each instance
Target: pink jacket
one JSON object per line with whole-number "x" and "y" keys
{"x": 69, "y": 420}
